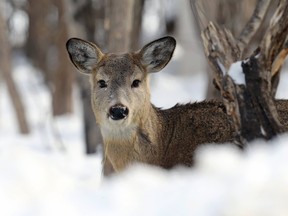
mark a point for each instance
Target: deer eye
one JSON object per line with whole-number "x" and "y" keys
{"x": 135, "y": 83}
{"x": 102, "y": 84}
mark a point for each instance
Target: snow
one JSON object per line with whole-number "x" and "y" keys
{"x": 47, "y": 172}
{"x": 167, "y": 89}
{"x": 236, "y": 73}
{"x": 18, "y": 27}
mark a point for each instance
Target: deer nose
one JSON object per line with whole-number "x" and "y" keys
{"x": 118, "y": 112}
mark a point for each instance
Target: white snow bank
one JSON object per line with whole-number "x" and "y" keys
{"x": 37, "y": 182}
{"x": 225, "y": 181}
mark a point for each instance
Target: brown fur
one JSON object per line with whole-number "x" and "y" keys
{"x": 149, "y": 135}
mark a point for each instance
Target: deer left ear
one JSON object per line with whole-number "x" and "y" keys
{"x": 156, "y": 55}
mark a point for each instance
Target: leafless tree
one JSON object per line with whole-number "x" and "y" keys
{"x": 6, "y": 70}
{"x": 233, "y": 15}
{"x": 250, "y": 104}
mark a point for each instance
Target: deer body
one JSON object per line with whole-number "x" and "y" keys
{"x": 168, "y": 137}
{"x": 132, "y": 128}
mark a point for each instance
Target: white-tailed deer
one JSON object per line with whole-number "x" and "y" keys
{"x": 133, "y": 129}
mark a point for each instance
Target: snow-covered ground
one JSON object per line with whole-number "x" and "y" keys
{"x": 47, "y": 172}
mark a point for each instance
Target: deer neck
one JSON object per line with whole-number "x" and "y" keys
{"x": 134, "y": 143}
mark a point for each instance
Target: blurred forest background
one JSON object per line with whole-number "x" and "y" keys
{"x": 37, "y": 30}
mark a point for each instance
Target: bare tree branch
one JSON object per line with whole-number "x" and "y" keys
{"x": 275, "y": 37}
{"x": 278, "y": 62}
{"x": 254, "y": 23}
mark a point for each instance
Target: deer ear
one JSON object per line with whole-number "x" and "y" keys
{"x": 156, "y": 55}
{"x": 83, "y": 54}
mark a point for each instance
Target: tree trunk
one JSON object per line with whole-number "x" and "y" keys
{"x": 92, "y": 134}
{"x": 6, "y": 69}
{"x": 121, "y": 20}
{"x": 62, "y": 78}
{"x": 39, "y": 34}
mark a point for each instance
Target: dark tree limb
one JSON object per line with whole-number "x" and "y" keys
{"x": 263, "y": 107}
{"x": 270, "y": 47}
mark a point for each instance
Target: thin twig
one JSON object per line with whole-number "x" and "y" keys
{"x": 280, "y": 59}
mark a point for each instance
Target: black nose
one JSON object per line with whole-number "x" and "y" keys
{"x": 118, "y": 112}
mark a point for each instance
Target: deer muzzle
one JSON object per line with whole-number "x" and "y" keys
{"x": 118, "y": 112}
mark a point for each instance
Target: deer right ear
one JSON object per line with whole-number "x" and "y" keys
{"x": 83, "y": 54}
{"x": 156, "y": 55}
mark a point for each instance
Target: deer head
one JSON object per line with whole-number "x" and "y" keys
{"x": 120, "y": 84}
